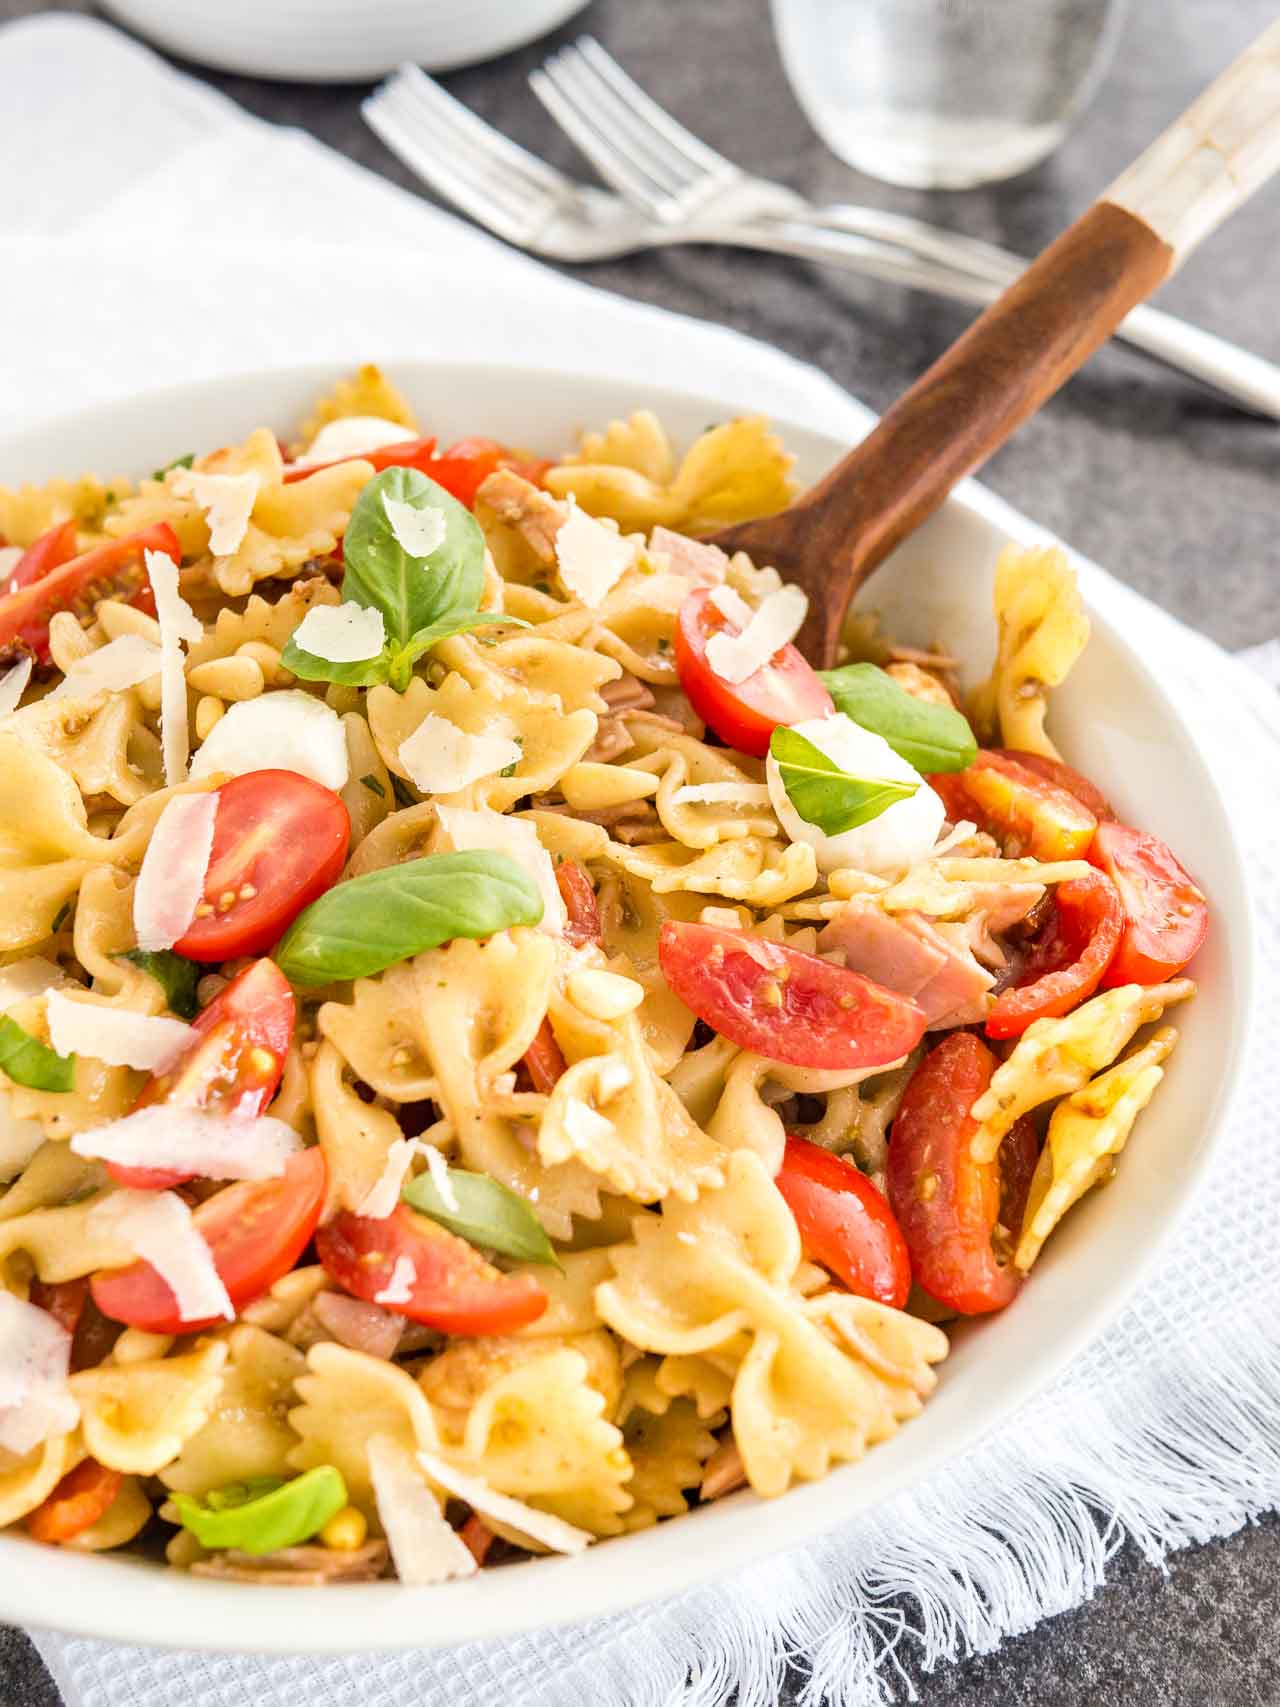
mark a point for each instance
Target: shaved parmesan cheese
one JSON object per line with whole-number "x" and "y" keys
{"x": 539, "y": 1526}
{"x": 157, "y": 1226}
{"x": 591, "y": 556}
{"x": 583, "y": 1124}
{"x": 351, "y": 436}
{"x": 438, "y": 1168}
{"x": 227, "y": 501}
{"x": 171, "y": 882}
{"x": 344, "y": 634}
{"x": 35, "y": 1355}
{"x": 721, "y": 793}
{"x": 382, "y": 1199}
{"x": 424, "y": 1549}
{"x": 731, "y": 604}
{"x": 192, "y": 1141}
{"x": 419, "y": 532}
{"x": 441, "y": 758}
{"x": 399, "y": 1289}
{"x": 13, "y": 684}
{"x": 22, "y": 979}
{"x": 287, "y": 730}
{"x": 113, "y": 1035}
{"x": 469, "y": 831}
{"x": 178, "y": 622}
{"x": 120, "y": 664}
{"x": 735, "y": 657}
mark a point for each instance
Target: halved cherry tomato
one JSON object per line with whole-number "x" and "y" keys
{"x": 784, "y": 1004}
{"x": 465, "y": 466}
{"x": 1025, "y": 812}
{"x": 845, "y": 1223}
{"x": 1019, "y": 1153}
{"x": 406, "y": 453}
{"x": 82, "y": 1496}
{"x": 579, "y": 896}
{"x": 1067, "y": 961}
{"x": 544, "y": 1060}
{"x": 43, "y": 555}
{"x": 279, "y": 840}
{"x": 232, "y": 1064}
{"x": 743, "y": 714}
{"x": 1166, "y": 915}
{"x": 947, "y": 1204}
{"x": 63, "y": 1299}
{"x": 113, "y": 569}
{"x": 255, "y": 1230}
{"x": 1062, "y": 776}
{"x": 451, "y": 1287}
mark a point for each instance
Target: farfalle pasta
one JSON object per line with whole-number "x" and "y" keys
{"x": 489, "y": 1038}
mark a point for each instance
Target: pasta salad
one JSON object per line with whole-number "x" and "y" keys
{"x": 497, "y": 1050}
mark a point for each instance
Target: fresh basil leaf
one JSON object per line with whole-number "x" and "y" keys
{"x": 178, "y": 462}
{"x": 412, "y": 592}
{"x": 359, "y": 673}
{"x": 233, "y": 1494}
{"x": 825, "y": 795}
{"x": 368, "y": 923}
{"x": 176, "y": 975}
{"x": 488, "y": 1214}
{"x": 445, "y": 629}
{"x": 930, "y": 737}
{"x": 29, "y": 1062}
{"x": 263, "y": 1522}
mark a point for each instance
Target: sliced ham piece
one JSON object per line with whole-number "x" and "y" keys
{"x": 910, "y": 955}
{"x": 702, "y": 565}
{"x": 535, "y": 514}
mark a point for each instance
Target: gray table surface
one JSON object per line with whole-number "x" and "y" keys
{"x": 1167, "y": 488}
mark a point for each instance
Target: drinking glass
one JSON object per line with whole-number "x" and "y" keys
{"x": 944, "y": 94}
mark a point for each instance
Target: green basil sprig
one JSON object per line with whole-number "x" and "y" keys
{"x": 423, "y": 600}
{"x": 825, "y": 795}
{"x": 29, "y": 1062}
{"x": 176, "y": 975}
{"x": 488, "y": 1214}
{"x": 265, "y": 1514}
{"x": 930, "y": 737}
{"x": 368, "y": 923}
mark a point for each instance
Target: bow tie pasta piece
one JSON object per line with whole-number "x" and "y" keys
{"x": 29, "y": 511}
{"x": 103, "y": 744}
{"x": 668, "y": 1452}
{"x": 630, "y": 918}
{"x": 367, "y": 391}
{"x": 138, "y": 1416}
{"x": 1056, "y": 1057}
{"x": 62, "y": 1242}
{"x": 247, "y": 1434}
{"x": 26, "y": 1482}
{"x": 262, "y": 627}
{"x": 126, "y": 1517}
{"x": 706, "y": 1278}
{"x": 457, "y": 1378}
{"x": 1043, "y": 629}
{"x": 1087, "y": 1132}
{"x": 570, "y": 1290}
{"x": 760, "y": 872}
{"x": 634, "y": 625}
{"x": 744, "y": 1117}
{"x": 704, "y": 797}
{"x": 707, "y": 1382}
{"x": 539, "y": 666}
{"x": 354, "y": 1135}
{"x": 292, "y": 525}
{"x": 171, "y": 498}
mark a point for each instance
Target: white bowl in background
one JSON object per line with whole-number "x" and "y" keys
{"x": 1112, "y": 717}
{"x": 339, "y": 41}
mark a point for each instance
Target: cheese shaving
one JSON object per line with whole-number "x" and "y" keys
{"x": 591, "y": 557}
{"x": 114, "y": 1035}
{"x": 35, "y": 1356}
{"x": 419, "y": 532}
{"x": 171, "y": 882}
{"x": 178, "y": 622}
{"x": 721, "y": 793}
{"x": 22, "y": 979}
{"x": 351, "y": 436}
{"x": 732, "y": 605}
{"x": 399, "y": 1289}
{"x": 438, "y": 1168}
{"x": 122, "y": 663}
{"x": 539, "y": 1526}
{"x": 381, "y": 1200}
{"x": 343, "y": 634}
{"x": 13, "y": 684}
{"x": 424, "y": 1549}
{"x": 583, "y": 1124}
{"x": 227, "y": 501}
{"x": 286, "y": 730}
{"x": 157, "y": 1226}
{"x": 441, "y": 758}
{"x": 192, "y": 1141}
{"x": 469, "y": 831}
{"x": 736, "y": 657}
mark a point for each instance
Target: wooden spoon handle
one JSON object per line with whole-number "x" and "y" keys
{"x": 1026, "y": 345}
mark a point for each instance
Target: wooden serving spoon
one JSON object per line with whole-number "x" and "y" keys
{"x": 1021, "y": 349}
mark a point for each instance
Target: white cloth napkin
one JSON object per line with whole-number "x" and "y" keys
{"x": 154, "y": 234}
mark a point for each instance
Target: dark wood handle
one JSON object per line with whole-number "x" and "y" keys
{"x": 973, "y": 398}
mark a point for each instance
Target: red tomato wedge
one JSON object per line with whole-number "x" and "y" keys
{"x": 1166, "y": 915}
{"x": 255, "y": 1230}
{"x": 845, "y": 1223}
{"x": 116, "y": 569}
{"x": 406, "y": 453}
{"x": 231, "y": 1066}
{"x": 947, "y": 1204}
{"x": 465, "y": 466}
{"x": 1067, "y": 961}
{"x": 579, "y": 896}
{"x": 450, "y": 1285}
{"x": 1024, "y": 811}
{"x": 63, "y": 1299}
{"x": 1062, "y": 776}
{"x": 279, "y": 841}
{"x": 82, "y": 1496}
{"x": 743, "y": 714}
{"x": 47, "y": 553}
{"x": 784, "y": 1004}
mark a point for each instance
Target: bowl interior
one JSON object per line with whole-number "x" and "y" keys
{"x": 1112, "y": 718}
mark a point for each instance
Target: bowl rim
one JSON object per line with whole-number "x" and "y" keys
{"x": 87, "y": 1595}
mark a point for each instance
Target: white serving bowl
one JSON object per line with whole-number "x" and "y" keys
{"x": 1112, "y": 718}
{"x": 338, "y": 41}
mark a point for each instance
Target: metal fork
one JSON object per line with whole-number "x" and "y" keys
{"x": 672, "y": 176}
